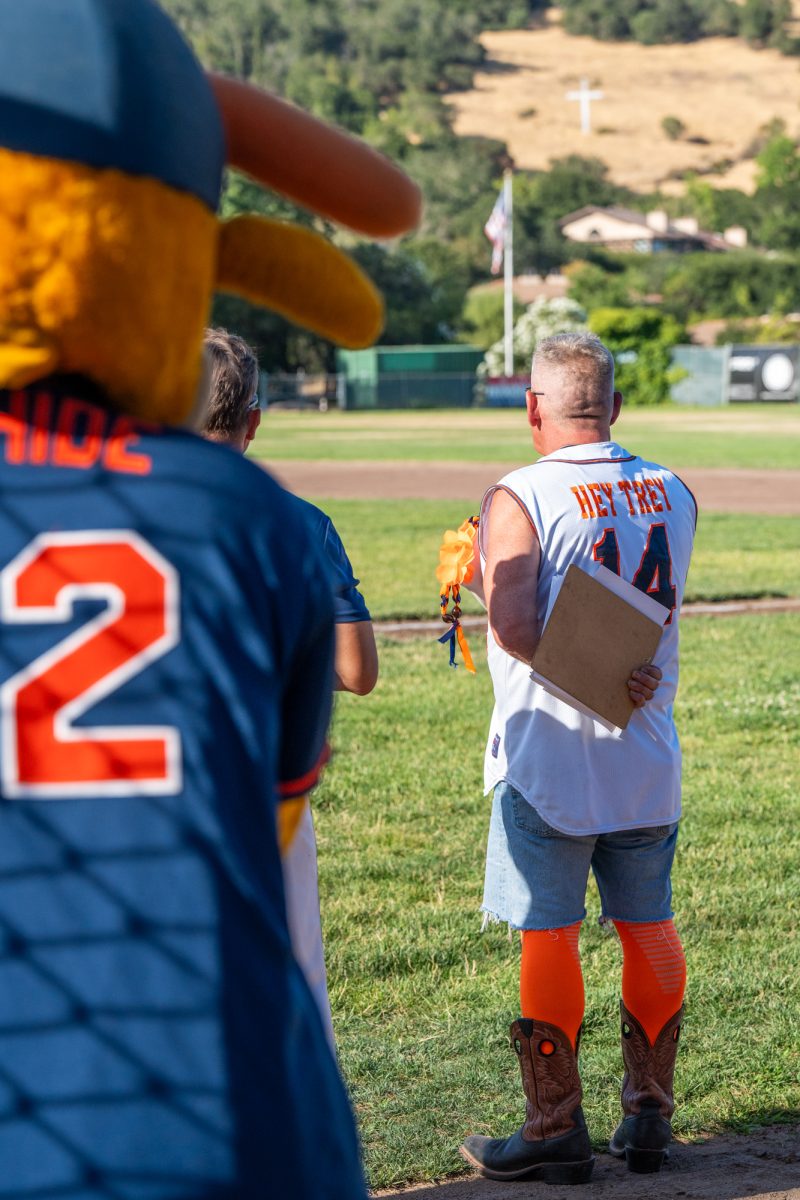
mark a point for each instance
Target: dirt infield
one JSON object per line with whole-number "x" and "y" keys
{"x": 776, "y": 493}
{"x": 762, "y": 1165}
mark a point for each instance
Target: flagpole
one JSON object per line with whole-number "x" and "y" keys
{"x": 508, "y": 274}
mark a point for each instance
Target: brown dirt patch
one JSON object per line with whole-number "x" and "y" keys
{"x": 721, "y": 89}
{"x": 717, "y": 489}
{"x": 762, "y": 1165}
{"x": 699, "y": 608}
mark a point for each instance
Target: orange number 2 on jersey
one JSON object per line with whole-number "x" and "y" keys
{"x": 44, "y": 753}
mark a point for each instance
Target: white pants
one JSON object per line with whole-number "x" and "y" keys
{"x": 302, "y": 909}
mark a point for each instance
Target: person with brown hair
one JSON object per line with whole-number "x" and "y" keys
{"x": 233, "y": 418}
{"x": 234, "y": 408}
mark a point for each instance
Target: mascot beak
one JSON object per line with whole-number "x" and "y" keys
{"x": 293, "y": 270}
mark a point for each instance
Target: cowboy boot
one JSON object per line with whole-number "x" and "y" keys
{"x": 644, "y": 1134}
{"x": 552, "y": 1146}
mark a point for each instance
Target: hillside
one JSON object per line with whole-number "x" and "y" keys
{"x": 723, "y": 91}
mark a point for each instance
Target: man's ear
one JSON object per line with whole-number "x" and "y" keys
{"x": 615, "y": 407}
{"x": 532, "y": 405}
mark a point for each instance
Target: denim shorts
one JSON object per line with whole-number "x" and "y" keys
{"x": 536, "y": 876}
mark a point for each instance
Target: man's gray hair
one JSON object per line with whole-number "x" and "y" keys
{"x": 587, "y": 369}
{"x": 583, "y": 350}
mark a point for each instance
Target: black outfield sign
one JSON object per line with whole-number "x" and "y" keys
{"x": 764, "y": 373}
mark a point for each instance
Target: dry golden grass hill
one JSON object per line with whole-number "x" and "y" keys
{"x": 723, "y": 91}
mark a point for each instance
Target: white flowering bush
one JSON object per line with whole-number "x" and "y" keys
{"x": 540, "y": 320}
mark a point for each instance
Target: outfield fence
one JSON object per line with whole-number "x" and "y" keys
{"x": 707, "y": 377}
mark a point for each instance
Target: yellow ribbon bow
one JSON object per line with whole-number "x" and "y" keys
{"x": 456, "y": 566}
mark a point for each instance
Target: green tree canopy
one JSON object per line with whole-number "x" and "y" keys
{"x": 381, "y": 68}
{"x": 641, "y": 340}
{"x": 761, "y": 22}
{"x": 778, "y": 194}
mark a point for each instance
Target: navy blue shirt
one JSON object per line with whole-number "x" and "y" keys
{"x": 349, "y": 606}
{"x": 166, "y": 651}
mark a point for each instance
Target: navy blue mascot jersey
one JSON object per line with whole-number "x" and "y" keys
{"x": 165, "y": 672}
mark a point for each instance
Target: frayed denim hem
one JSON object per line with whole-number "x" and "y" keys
{"x": 491, "y": 918}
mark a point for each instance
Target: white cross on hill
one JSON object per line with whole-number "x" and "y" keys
{"x": 585, "y": 96}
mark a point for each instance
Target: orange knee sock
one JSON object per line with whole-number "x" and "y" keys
{"x": 653, "y": 973}
{"x": 551, "y": 980}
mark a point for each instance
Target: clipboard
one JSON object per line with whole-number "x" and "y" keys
{"x": 599, "y": 629}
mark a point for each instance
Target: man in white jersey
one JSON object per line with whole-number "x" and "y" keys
{"x": 569, "y": 795}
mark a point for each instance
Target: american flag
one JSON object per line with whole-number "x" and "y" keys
{"x": 495, "y": 230}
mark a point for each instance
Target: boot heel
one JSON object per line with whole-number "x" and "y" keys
{"x": 644, "y": 1162}
{"x": 567, "y": 1173}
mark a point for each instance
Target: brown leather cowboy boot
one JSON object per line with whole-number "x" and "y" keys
{"x": 553, "y": 1144}
{"x": 643, "y": 1135}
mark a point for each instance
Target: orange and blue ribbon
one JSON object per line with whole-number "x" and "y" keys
{"x": 456, "y": 566}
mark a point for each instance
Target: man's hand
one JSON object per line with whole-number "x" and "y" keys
{"x": 475, "y": 584}
{"x": 643, "y": 683}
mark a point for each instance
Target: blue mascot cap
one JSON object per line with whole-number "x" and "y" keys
{"x": 110, "y": 84}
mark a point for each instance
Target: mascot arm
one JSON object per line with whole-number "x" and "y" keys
{"x": 319, "y": 167}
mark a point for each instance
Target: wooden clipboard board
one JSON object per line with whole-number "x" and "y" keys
{"x": 592, "y": 641}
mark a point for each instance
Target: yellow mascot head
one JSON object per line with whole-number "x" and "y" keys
{"x": 112, "y": 145}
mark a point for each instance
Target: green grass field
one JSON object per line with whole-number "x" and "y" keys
{"x": 394, "y": 545}
{"x": 422, "y": 1000}
{"x": 394, "y": 548}
{"x": 732, "y": 437}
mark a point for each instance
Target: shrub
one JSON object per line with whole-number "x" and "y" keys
{"x": 673, "y": 127}
{"x": 483, "y": 317}
{"x": 640, "y": 340}
{"x": 540, "y": 320}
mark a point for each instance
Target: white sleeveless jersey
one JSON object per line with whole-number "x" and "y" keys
{"x": 589, "y": 504}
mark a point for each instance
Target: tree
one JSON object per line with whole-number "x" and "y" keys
{"x": 780, "y": 38}
{"x": 573, "y": 182}
{"x": 720, "y": 19}
{"x": 673, "y": 127}
{"x": 668, "y": 21}
{"x": 483, "y": 317}
{"x": 718, "y": 209}
{"x": 757, "y": 20}
{"x": 541, "y": 319}
{"x": 325, "y": 87}
{"x": 779, "y": 164}
{"x": 500, "y": 14}
{"x": 423, "y": 283}
{"x": 596, "y": 18}
{"x": 762, "y": 22}
{"x": 593, "y": 287}
{"x": 459, "y": 178}
{"x": 778, "y": 194}
{"x": 641, "y": 340}
{"x": 731, "y": 285}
